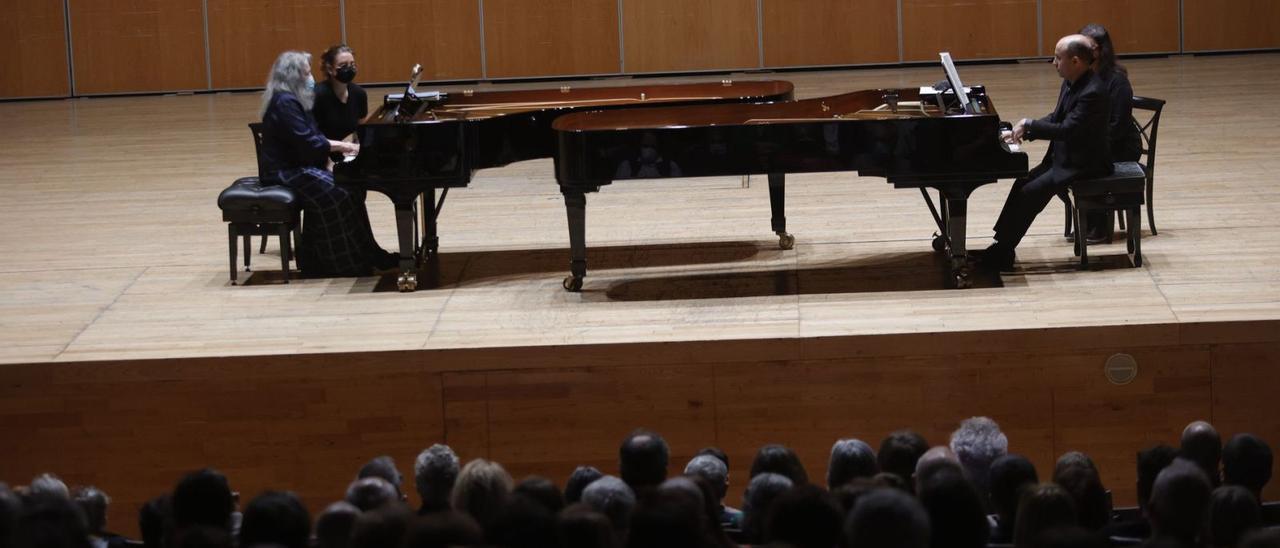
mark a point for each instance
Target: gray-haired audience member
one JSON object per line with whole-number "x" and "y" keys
{"x": 482, "y": 489}
{"x": 334, "y": 524}
{"x": 1009, "y": 475}
{"x": 612, "y": 497}
{"x": 887, "y": 518}
{"x": 1042, "y": 508}
{"x": 1179, "y": 502}
{"x": 716, "y": 473}
{"x": 1233, "y": 511}
{"x": 48, "y": 484}
{"x": 371, "y": 493}
{"x": 850, "y": 458}
{"x": 93, "y": 504}
{"x": 581, "y": 477}
{"x": 1246, "y": 461}
{"x": 1202, "y": 445}
{"x": 1076, "y": 473}
{"x": 383, "y": 467}
{"x": 642, "y": 459}
{"x": 899, "y": 452}
{"x": 762, "y": 491}
{"x": 977, "y": 443}
{"x": 434, "y": 473}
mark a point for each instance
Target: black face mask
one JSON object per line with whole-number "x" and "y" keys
{"x": 345, "y": 74}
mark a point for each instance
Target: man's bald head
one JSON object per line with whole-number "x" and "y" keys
{"x": 1073, "y": 56}
{"x": 1202, "y": 445}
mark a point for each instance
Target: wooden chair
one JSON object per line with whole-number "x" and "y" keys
{"x": 1149, "y": 109}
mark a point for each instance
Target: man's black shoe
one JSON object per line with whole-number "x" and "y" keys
{"x": 996, "y": 258}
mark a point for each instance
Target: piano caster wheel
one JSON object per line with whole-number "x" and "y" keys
{"x": 786, "y": 241}
{"x": 407, "y": 282}
{"x": 961, "y": 280}
{"x": 572, "y": 283}
{"x": 939, "y": 244}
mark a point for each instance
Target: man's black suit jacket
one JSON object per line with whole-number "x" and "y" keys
{"x": 1078, "y": 130}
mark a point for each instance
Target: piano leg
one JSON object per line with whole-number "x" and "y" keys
{"x": 575, "y": 204}
{"x": 430, "y": 233}
{"x": 954, "y": 215}
{"x": 408, "y": 280}
{"x": 777, "y": 204}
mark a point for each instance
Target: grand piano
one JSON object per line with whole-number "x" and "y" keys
{"x": 912, "y": 139}
{"x": 413, "y": 146}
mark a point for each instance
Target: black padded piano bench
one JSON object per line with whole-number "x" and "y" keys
{"x": 250, "y": 207}
{"x": 1123, "y": 190}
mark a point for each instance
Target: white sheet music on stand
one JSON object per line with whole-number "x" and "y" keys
{"x": 953, "y": 78}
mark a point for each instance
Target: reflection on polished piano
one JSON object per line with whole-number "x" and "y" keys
{"x": 913, "y": 140}
{"x": 412, "y": 148}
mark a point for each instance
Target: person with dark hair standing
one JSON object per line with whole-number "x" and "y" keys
{"x": 1126, "y": 144}
{"x": 1079, "y": 147}
{"x": 340, "y": 103}
{"x": 642, "y": 459}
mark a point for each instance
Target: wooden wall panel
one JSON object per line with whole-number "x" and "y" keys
{"x": 685, "y": 35}
{"x": 36, "y": 63}
{"x": 830, "y": 32}
{"x": 1243, "y": 24}
{"x": 390, "y": 36}
{"x": 1136, "y": 26}
{"x": 245, "y": 36}
{"x": 1245, "y": 381}
{"x": 976, "y": 29}
{"x": 551, "y": 38}
{"x": 138, "y": 45}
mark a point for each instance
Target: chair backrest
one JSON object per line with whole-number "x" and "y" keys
{"x": 257, "y": 128}
{"x": 1148, "y": 130}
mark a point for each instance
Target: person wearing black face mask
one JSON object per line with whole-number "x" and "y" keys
{"x": 340, "y": 103}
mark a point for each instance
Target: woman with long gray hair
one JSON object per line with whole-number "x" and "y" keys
{"x": 337, "y": 240}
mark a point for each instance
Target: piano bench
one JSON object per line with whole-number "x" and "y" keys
{"x": 1124, "y": 190}
{"x": 250, "y": 207}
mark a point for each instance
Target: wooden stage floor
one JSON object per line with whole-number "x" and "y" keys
{"x": 122, "y": 339}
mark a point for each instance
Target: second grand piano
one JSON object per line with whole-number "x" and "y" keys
{"x": 913, "y": 140}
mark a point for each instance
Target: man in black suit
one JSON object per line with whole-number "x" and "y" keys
{"x": 1078, "y": 148}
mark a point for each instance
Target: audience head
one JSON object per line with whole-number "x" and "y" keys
{"x": 290, "y": 73}
{"x": 203, "y": 498}
{"x": 1150, "y": 462}
{"x": 580, "y": 526}
{"x": 10, "y": 511}
{"x": 1246, "y": 461}
{"x": 934, "y": 459}
{"x": 899, "y": 452}
{"x": 977, "y": 443}
{"x": 887, "y": 518}
{"x": 581, "y": 477}
{"x": 276, "y": 517}
{"x": 334, "y": 525}
{"x": 850, "y": 458}
{"x": 1042, "y": 508}
{"x": 711, "y": 469}
{"x": 612, "y": 497}
{"x": 1179, "y": 501}
{"x": 371, "y": 493}
{"x": 1073, "y": 56}
{"x": 481, "y": 490}
{"x": 1202, "y": 445}
{"x": 1009, "y": 475}
{"x": 642, "y": 459}
{"x": 49, "y": 520}
{"x": 444, "y": 529}
{"x": 50, "y": 485}
{"x": 93, "y": 503}
{"x": 523, "y": 523}
{"x": 762, "y": 491}
{"x": 152, "y": 518}
{"x": 1076, "y": 473}
{"x": 955, "y": 507}
{"x": 383, "y": 467}
{"x": 669, "y": 518}
{"x": 806, "y": 516}
{"x": 434, "y": 473}
{"x": 1105, "y": 50}
{"x": 380, "y": 528}
{"x": 715, "y": 452}
{"x": 542, "y": 490}
{"x": 779, "y": 459}
{"x": 1233, "y": 510}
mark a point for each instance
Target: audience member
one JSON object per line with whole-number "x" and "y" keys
{"x": 334, "y": 525}
{"x": 1076, "y": 473}
{"x": 1150, "y": 462}
{"x": 715, "y": 452}
{"x": 580, "y": 526}
{"x": 1202, "y": 445}
{"x": 1233, "y": 511}
{"x": 779, "y": 459}
{"x": 716, "y": 472}
{"x": 93, "y": 504}
{"x": 899, "y": 452}
{"x": 804, "y": 517}
{"x": 642, "y": 459}
{"x": 434, "y": 473}
{"x": 153, "y": 518}
{"x": 669, "y": 518}
{"x": 935, "y": 454}
{"x": 383, "y": 527}
{"x": 850, "y": 458}
{"x": 887, "y": 518}
{"x": 542, "y": 490}
{"x": 1179, "y": 501}
{"x": 371, "y": 493}
{"x": 203, "y": 498}
{"x": 523, "y": 522}
{"x": 481, "y": 490}
{"x": 50, "y": 520}
{"x": 581, "y": 477}
{"x": 1009, "y": 475}
{"x": 1246, "y": 461}
{"x": 1042, "y": 508}
{"x": 614, "y": 498}
{"x": 977, "y": 443}
{"x": 276, "y": 518}
{"x": 762, "y": 491}
{"x": 48, "y": 484}
{"x": 954, "y": 505}
{"x": 383, "y": 467}
{"x": 443, "y": 529}
{"x": 202, "y": 536}
{"x": 713, "y": 510}
{"x": 10, "y": 511}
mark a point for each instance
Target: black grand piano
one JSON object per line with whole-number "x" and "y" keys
{"x": 412, "y": 147}
{"x": 912, "y": 139}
